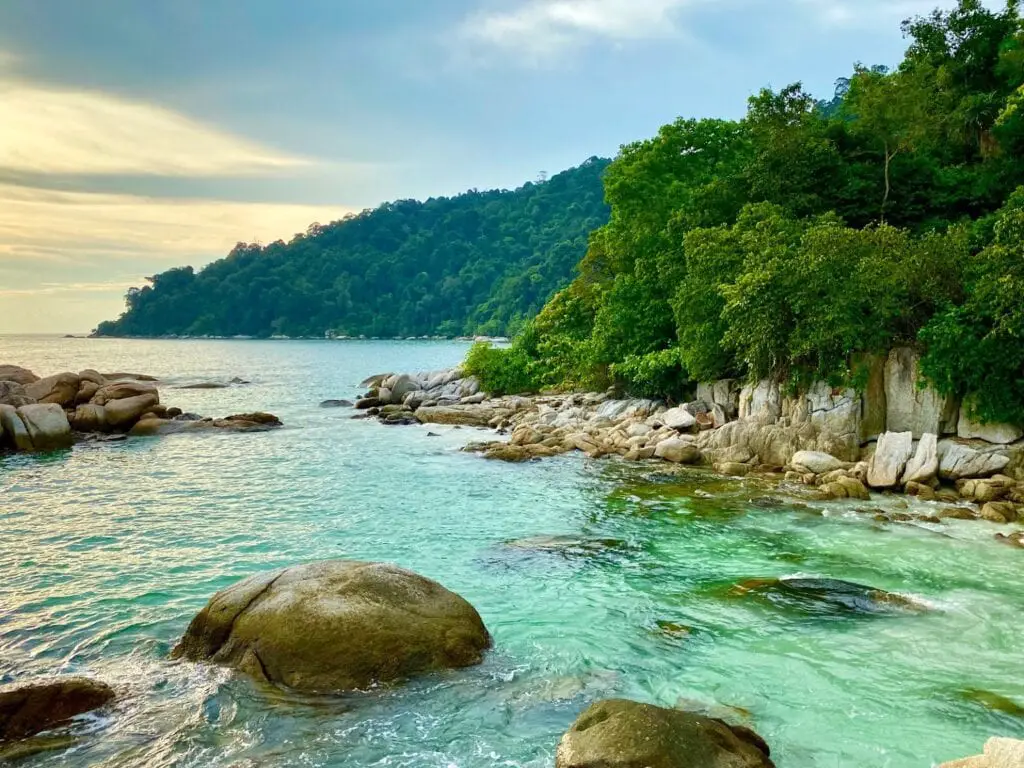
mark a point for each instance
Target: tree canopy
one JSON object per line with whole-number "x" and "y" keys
{"x": 478, "y": 263}
{"x": 788, "y": 243}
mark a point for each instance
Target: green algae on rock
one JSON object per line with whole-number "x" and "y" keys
{"x": 336, "y": 625}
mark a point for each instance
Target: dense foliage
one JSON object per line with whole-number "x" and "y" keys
{"x": 787, "y": 243}
{"x": 478, "y": 263}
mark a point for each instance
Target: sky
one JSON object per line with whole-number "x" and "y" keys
{"x": 137, "y": 136}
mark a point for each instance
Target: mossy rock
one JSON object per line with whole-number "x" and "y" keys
{"x": 336, "y": 626}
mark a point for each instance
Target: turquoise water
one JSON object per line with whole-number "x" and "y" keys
{"x": 107, "y": 551}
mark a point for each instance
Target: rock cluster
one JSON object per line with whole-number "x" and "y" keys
{"x": 46, "y": 414}
{"x": 892, "y": 436}
{"x": 999, "y": 753}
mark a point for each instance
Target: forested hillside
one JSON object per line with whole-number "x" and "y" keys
{"x": 786, "y": 243}
{"x": 481, "y": 262}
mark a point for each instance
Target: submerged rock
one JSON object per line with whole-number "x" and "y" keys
{"x": 335, "y": 626}
{"x": 993, "y": 701}
{"x": 30, "y": 708}
{"x": 567, "y": 546}
{"x": 336, "y": 404}
{"x": 826, "y": 596}
{"x": 624, "y": 734}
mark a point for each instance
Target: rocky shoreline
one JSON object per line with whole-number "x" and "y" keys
{"x": 893, "y": 437}
{"x": 55, "y": 412}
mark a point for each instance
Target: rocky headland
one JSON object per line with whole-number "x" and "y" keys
{"x": 52, "y": 413}
{"x": 892, "y": 436}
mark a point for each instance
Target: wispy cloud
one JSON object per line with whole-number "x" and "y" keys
{"x": 542, "y": 29}
{"x": 83, "y": 227}
{"x": 49, "y": 130}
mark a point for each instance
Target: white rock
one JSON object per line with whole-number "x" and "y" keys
{"x": 911, "y": 408}
{"x": 999, "y": 434}
{"x": 761, "y": 401}
{"x": 923, "y": 467}
{"x": 890, "y": 460}
{"x": 999, "y": 753}
{"x": 678, "y": 418}
{"x": 639, "y": 430}
{"x": 817, "y": 462}
{"x": 957, "y": 461}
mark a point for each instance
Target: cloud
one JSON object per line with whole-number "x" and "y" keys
{"x": 53, "y": 131}
{"x": 58, "y": 226}
{"x": 541, "y": 29}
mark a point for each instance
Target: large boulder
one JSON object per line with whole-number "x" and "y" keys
{"x": 335, "y": 626}
{"x": 469, "y": 415}
{"x": 678, "y": 451}
{"x": 924, "y": 465}
{"x": 893, "y": 452}
{"x": 13, "y": 393}
{"x": 626, "y": 734}
{"x": 12, "y": 429}
{"x": 30, "y": 708}
{"x": 678, "y": 419}
{"x": 122, "y": 390}
{"x": 817, "y": 462}
{"x": 957, "y": 461}
{"x": 61, "y": 389}
{"x": 124, "y": 412}
{"x": 772, "y": 444}
{"x": 970, "y": 429}
{"x": 47, "y": 426}
{"x": 833, "y": 411}
{"x": 999, "y": 753}
{"x": 89, "y": 418}
{"x": 402, "y": 386}
{"x": 17, "y": 374}
{"x": 911, "y": 407}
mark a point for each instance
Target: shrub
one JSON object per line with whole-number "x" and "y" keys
{"x": 656, "y": 374}
{"x": 501, "y": 371}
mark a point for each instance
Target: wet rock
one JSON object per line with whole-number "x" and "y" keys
{"x": 994, "y": 488}
{"x": 624, "y": 734}
{"x": 733, "y": 469}
{"x": 128, "y": 376}
{"x": 993, "y": 701}
{"x": 826, "y": 596}
{"x": 567, "y": 546}
{"x": 923, "y": 492}
{"x": 845, "y": 488}
{"x": 1013, "y": 540}
{"x": 205, "y": 385}
{"x": 30, "y": 708}
{"x": 510, "y": 453}
{"x": 999, "y": 512}
{"x": 957, "y": 513}
{"x": 336, "y": 404}
{"x": 366, "y": 403}
{"x": 47, "y": 426}
{"x": 17, "y": 374}
{"x": 335, "y": 626}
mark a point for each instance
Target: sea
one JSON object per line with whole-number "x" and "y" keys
{"x": 597, "y": 579}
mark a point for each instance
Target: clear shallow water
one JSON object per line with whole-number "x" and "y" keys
{"x": 106, "y": 552}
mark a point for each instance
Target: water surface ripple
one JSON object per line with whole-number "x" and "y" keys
{"x": 107, "y": 552}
